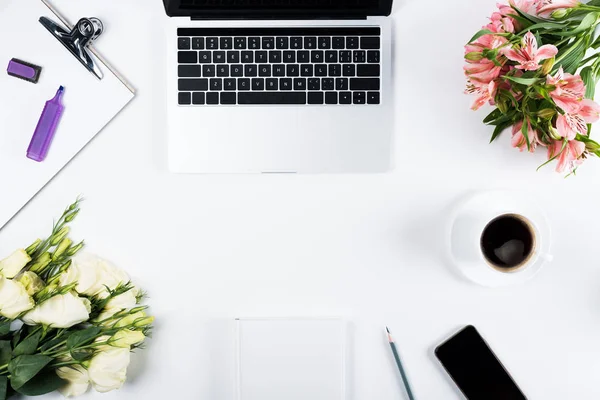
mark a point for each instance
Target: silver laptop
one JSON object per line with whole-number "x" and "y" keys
{"x": 262, "y": 86}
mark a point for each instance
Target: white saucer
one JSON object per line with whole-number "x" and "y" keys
{"x": 466, "y": 223}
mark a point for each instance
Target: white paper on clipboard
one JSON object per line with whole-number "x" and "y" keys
{"x": 90, "y": 104}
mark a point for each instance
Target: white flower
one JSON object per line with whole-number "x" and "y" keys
{"x": 108, "y": 368}
{"x": 78, "y": 380}
{"x": 13, "y": 264}
{"x": 124, "y": 301}
{"x": 126, "y": 338}
{"x": 61, "y": 311}
{"x": 32, "y": 282}
{"x": 93, "y": 275}
{"x": 13, "y": 298}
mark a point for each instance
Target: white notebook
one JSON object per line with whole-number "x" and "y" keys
{"x": 291, "y": 359}
{"x": 89, "y": 103}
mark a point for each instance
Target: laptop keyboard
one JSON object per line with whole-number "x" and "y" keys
{"x": 245, "y": 66}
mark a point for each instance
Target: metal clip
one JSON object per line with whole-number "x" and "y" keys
{"x": 85, "y": 31}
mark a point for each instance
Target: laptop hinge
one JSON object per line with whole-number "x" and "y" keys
{"x": 273, "y": 17}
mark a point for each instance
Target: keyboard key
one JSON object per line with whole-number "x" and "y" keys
{"x": 229, "y": 84}
{"x": 306, "y": 70}
{"x": 289, "y": 56}
{"x": 368, "y": 70}
{"x": 310, "y": 43}
{"x": 316, "y": 56}
{"x": 345, "y": 97}
{"x": 293, "y": 70}
{"x": 226, "y": 43}
{"x": 279, "y": 70}
{"x": 219, "y": 57}
{"x": 216, "y": 84}
{"x": 341, "y": 84}
{"x": 358, "y": 98}
{"x": 272, "y": 84}
{"x": 193, "y": 84}
{"x": 223, "y": 71}
{"x": 204, "y": 57}
{"x": 328, "y": 83}
{"x": 373, "y": 56}
{"x": 250, "y": 70}
{"x": 243, "y": 84}
{"x": 212, "y": 98}
{"x": 359, "y": 56}
{"x": 212, "y": 43}
{"x": 247, "y": 57}
{"x": 315, "y": 97}
{"x": 370, "y": 42}
{"x": 237, "y": 70}
{"x": 296, "y": 43}
{"x": 303, "y": 56}
{"x": 372, "y": 97}
{"x": 331, "y": 98}
{"x": 300, "y": 84}
{"x": 239, "y": 43}
{"x": 185, "y": 98}
{"x": 233, "y": 56}
{"x": 335, "y": 70}
{"x": 285, "y": 84}
{"x": 345, "y": 56}
{"x": 324, "y": 43}
{"x": 314, "y": 84}
{"x": 183, "y": 43}
{"x": 260, "y": 57}
{"x": 268, "y": 43}
{"x": 187, "y": 57}
{"x": 228, "y": 98}
{"x": 254, "y": 43}
{"x": 198, "y": 98}
{"x": 258, "y": 84}
{"x": 282, "y": 43}
{"x": 349, "y": 69}
{"x": 189, "y": 71}
{"x": 264, "y": 70}
{"x": 275, "y": 57}
{"x": 272, "y": 98}
{"x": 337, "y": 43}
{"x": 321, "y": 70}
{"x": 352, "y": 42}
{"x": 331, "y": 56}
{"x": 364, "y": 84}
{"x": 198, "y": 43}
{"x": 208, "y": 71}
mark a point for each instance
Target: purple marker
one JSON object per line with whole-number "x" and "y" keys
{"x": 46, "y": 127}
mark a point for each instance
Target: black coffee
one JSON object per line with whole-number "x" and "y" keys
{"x": 507, "y": 241}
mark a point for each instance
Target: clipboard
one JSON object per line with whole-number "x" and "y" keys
{"x": 90, "y": 103}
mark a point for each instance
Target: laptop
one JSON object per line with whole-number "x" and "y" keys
{"x": 279, "y": 86}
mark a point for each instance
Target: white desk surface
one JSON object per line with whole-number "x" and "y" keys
{"x": 368, "y": 247}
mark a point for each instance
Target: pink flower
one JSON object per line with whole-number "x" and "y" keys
{"x": 568, "y": 92}
{"x": 483, "y": 72}
{"x": 501, "y": 23}
{"x": 528, "y": 55}
{"x": 570, "y": 157}
{"x": 545, "y": 8}
{"x": 485, "y": 93}
{"x": 527, "y": 6}
{"x": 481, "y": 69}
{"x": 569, "y": 125}
{"x": 519, "y": 141}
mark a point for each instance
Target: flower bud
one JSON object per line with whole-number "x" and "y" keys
{"x": 71, "y": 217}
{"x": 62, "y": 247}
{"x": 592, "y": 146}
{"x": 474, "y": 56}
{"x": 31, "y": 282}
{"x": 126, "y": 338}
{"x": 60, "y": 235}
{"x": 554, "y": 133}
{"x": 34, "y": 246}
{"x": 41, "y": 263}
{"x": 547, "y": 66}
{"x": 143, "y": 322}
{"x": 546, "y": 113}
{"x": 560, "y": 14}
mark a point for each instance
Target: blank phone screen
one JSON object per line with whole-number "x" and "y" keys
{"x": 475, "y": 368}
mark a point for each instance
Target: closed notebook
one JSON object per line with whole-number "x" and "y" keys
{"x": 291, "y": 359}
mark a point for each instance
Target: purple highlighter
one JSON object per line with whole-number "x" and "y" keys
{"x": 46, "y": 127}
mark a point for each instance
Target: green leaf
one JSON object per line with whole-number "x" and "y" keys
{"x": 57, "y": 340}
{"x": 499, "y": 129}
{"x": 43, "y": 383}
{"x": 28, "y": 345}
{"x": 23, "y": 368}
{"x": 587, "y": 74}
{"x": 81, "y": 338}
{"x": 546, "y": 26}
{"x": 82, "y": 355}
{"x": 523, "y": 81}
{"x": 479, "y": 34}
{"x": 3, "y": 387}
{"x": 5, "y": 352}
{"x": 524, "y": 131}
{"x": 571, "y": 57}
{"x": 555, "y": 156}
{"x": 492, "y": 116}
{"x": 586, "y": 23}
{"x": 529, "y": 17}
{"x": 4, "y": 328}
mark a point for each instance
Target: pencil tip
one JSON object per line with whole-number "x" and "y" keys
{"x": 387, "y": 329}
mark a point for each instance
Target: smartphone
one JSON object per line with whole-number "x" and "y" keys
{"x": 475, "y": 369}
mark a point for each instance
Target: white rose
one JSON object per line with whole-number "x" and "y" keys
{"x": 13, "y": 298}
{"x": 108, "y": 368}
{"x": 78, "y": 380}
{"x": 126, "y": 338}
{"x": 124, "y": 301}
{"x": 13, "y": 264}
{"x": 32, "y": 282}
{"x": 93, "y": 275}
{"x": 62, "y": 311}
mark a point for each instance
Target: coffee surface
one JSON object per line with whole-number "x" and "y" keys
{"x": 507, "y": 241}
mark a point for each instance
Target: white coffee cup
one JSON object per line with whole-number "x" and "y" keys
{"x": 468, "y": 223}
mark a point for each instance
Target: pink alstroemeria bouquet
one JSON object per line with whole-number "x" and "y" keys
{"x": 530, "y": 63}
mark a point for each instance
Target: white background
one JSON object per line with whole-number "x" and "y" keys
{"x": 366, "y": 247}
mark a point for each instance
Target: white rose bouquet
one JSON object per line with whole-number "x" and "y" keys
{"x": 68, "y": 321}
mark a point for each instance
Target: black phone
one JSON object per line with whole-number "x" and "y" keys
{"x": 475, "y": 369}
